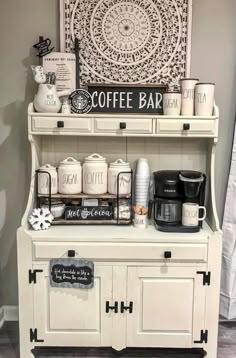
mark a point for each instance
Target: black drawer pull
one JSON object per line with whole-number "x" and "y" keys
{"x": 126, "y": 308}
{"x": 122, "y": 125}
{"x": 60, "y": 124}
{"x": 71, "y": 253}
{"x": 167, "y": 254}
{"x": 112, "y": 308}
{"x": 186, "y": 126}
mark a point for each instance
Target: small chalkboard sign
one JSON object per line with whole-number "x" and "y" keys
{"x": 70, "y": 273}
{"x": 83, "y": 213}
{"x": 127, "y": 99}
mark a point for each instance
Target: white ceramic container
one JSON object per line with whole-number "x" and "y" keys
{"x": 70, "y": 176}
{"x": 44, "y": 180}
{"x": 141, "y": 221}
{"x": 47, "y": 100}
{"x": 172, "y": 103}
{"x": 190, "y": 214}
{"x": 57, "y": 208}
{"x": 187, "y": 92}
{"x": 95, "y": 171}
{"x": 114, "y": 170}
{"x": 204, "y": 99}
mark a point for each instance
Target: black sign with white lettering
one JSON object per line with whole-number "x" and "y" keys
{"x": 71, "y": 273}
{"x": 127, "y": 99}
{"x": 88, "y": 213}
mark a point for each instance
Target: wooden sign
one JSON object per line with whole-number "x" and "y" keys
{"x": 88, "y": 213}
{"x": 71, "y": 273}
{"x": 127, "y": 99}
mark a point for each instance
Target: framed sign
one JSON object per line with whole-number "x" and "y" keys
{"x": 132, "y": 42}
{"x": 127, "y": 99}
{"x": 71, "y": 273}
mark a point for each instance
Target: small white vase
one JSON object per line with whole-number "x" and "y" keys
{"x": 47, "y": 100}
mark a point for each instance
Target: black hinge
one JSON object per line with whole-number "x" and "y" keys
{"x": 33, "y": 275}
{"x": 34, "y": 336}
{"x": 204, "y": 337}
{"x": 206, "y": 277}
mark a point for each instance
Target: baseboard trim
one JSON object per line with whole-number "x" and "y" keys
{"x": 10, "y": 313}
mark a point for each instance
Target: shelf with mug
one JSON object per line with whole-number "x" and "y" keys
{"x": 85, "y": 196}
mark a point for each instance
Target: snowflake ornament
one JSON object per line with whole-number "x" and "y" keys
{"x": 41, "y": 219}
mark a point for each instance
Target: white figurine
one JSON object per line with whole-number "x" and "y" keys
{"x": 39, "y": 75}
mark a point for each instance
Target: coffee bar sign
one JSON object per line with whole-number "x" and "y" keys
{"x": 127, "y": 99}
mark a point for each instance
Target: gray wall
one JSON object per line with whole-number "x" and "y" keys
{"x": 213, "y": 59}
{"x": 21, "y": 22}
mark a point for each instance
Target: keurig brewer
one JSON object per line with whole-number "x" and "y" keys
{"x": 171, "y": 190}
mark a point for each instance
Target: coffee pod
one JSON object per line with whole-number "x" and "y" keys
{"x": 204, "y": 99}
{"x": 172, "y": 103}
{"x": 187, "y": 92}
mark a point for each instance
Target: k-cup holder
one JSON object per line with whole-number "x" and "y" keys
{"x": 191, "y": 182}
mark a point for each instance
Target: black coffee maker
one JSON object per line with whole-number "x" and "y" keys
{"x": 172, "y": 188}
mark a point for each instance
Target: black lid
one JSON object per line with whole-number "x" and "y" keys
{"x": 167, "y": 176}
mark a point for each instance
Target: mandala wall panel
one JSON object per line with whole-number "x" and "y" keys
{"x": 133, "y": 41}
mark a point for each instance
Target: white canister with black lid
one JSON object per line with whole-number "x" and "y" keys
{"x": 119, "y": 171}
{"x": 70, "y": 176}
{"x": 46, "y": 173}
{"x": 95, "y": 175}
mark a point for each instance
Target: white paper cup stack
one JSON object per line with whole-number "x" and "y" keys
{"x": 142, "y": 183}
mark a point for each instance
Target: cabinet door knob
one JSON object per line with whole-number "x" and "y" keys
{"x": 126, "y": 308}
{"x": 71, "y": 253}
{"x": 112, "y": 308}
{"x": 186, "y": 126}
{"x": 60, "y": 124}
{"x": 167, "y": 254}
{"x": 122, "y": 125}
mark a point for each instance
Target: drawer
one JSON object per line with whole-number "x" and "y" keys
{"x": 121, "y": 252}
{"x": 121, "y": 125}
{"x": 186, "y": 127}
{"x": 52, "y": 124}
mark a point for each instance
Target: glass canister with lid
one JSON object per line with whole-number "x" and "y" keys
{"x": 70, "y": 176}
{"x": 95, "y": 175}
{"x": 119, "y": 169}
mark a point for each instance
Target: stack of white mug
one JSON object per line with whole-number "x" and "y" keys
{"x": 194, "y": 99}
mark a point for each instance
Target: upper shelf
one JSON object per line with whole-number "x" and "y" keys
{"x": 123, "y": 125}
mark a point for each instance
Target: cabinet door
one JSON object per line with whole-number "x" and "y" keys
{"x": 73, "y": 317}
{"x": 168, "y": 306}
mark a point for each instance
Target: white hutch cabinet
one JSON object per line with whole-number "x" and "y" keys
{"x": 140, "y": 298}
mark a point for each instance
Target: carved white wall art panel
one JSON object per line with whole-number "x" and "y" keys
{"x": 133, "y": 41}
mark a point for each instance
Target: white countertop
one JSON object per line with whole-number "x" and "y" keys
{"x": 115, "y": 233}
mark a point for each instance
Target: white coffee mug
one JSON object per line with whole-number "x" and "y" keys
{"x": 190, "y": 214}
{"x": 140, "y": 221}
{"x": 172, "y": 103}
{"x": 187, "y": 92}
{"x": 204, "y": 99}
